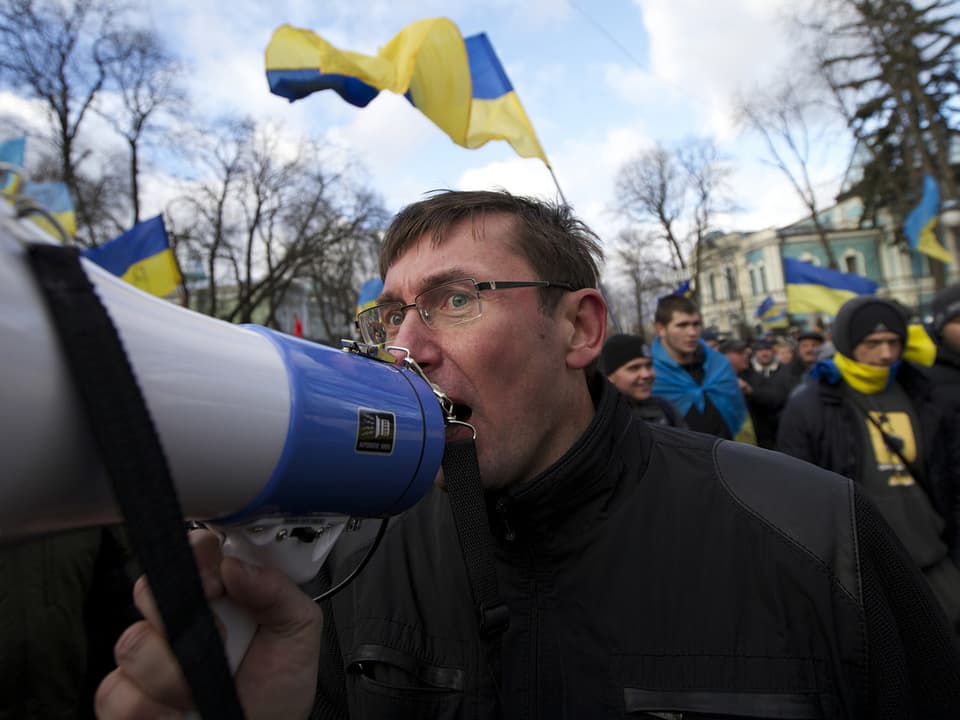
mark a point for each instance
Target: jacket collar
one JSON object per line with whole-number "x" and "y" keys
{"x": 574, "y": 489}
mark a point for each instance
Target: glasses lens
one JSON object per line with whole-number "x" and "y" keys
{"x": 449, "y": 304}
{"x": 380, "y": 324}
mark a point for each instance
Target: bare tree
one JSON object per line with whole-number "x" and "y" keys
{"x": 678, "y": 191}
{"x": 783, "y": 118}
{"x": 645, "y": 270}
{"x": 651, "y": 188}
{"x": 264, "y": 218}
{"x": 706, "y": 172}
{"x": 146, "y": 79}
{"x": 50, "y": 50}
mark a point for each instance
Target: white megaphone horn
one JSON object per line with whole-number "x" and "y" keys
{"x": 253, "y": 422}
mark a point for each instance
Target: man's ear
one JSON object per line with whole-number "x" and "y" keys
{"x": 659, "y": 328}
{"x": 584, "y": 314}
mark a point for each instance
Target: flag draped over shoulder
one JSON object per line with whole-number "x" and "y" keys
{"x": 11, "y": 153}
{"x": 142, "y": 256}
{"x": 816, "y": 289}
{"x": 458, "y": 83}
{"x": 920, "y": 227}
{"x": 54, "y": 197}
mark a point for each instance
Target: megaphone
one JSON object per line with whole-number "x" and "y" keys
{"x": 254, "y": 423}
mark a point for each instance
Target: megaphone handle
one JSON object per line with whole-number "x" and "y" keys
{"x": 239, "y": 626}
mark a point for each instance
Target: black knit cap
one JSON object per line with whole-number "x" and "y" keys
{"x": 618, "y": 350}
{"x": 863, "y": 316}
{"x": 945, "y": 306}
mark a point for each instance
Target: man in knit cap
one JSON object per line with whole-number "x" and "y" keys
{"x": 626, "y": 362}
{"x": 945, "y": 330}
{"x": 870, "y": 416}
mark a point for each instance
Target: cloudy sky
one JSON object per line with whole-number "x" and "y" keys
{"x": 600, "y": 80}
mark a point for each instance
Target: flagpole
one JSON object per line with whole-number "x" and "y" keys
{"x": 613, "y": 316}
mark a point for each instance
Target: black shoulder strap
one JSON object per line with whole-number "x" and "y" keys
{"x": 462, "y": 476}
{"x": 128, "y": 446}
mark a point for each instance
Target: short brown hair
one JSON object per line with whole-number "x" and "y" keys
{"x": 671, "y": 304}
{"x": 559, "y": 247}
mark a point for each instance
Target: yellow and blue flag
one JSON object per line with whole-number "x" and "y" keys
{"x": 816, "y": 289}
{"x": 771, "y": 314}
{"x": 142, "y": 256}
{"x": 920, "y": 227}
{"x": 459, "y": 84}
{"x": 369, "y": 292}
{"x": 11, "y": 153}
{"x": 54, "y": 197}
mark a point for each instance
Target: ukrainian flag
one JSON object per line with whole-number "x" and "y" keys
{"x": 11, "y": 154}
{"x": 54, "y": 197}
{"x": 770, "y": 314}
{"x": 816, "y": 289}
{"x": 458, "y": 83}
{"x": 142, "y": 256}
{"x": 920, "y": 227}
{"x": 369, "y": 292}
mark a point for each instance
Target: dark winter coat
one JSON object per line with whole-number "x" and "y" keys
{"x": 820, "y": 426}
{"x": 650, "y": 570}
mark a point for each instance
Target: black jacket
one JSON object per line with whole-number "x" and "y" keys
{"x": 650, "y": 570}
{"x": 768, "y": 395}
{"x": 945, "y": 377}
{"x": 820, "y": 426}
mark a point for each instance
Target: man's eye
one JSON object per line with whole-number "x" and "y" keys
{"x": 394, "y": 319}
{"x": 458, "y": 300}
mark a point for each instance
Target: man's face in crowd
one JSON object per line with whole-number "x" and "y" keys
{"x": 739, "y": 359}
{"x": 635, "y": 378}
{"x": 881, "y": 349}
{"x": 951, "y": 335}
{"x": 512, "y": 370}
{"x": 784, "y": 354}
{"x": 764, "y": 356}
{"x": 681, "y": 335}
{"x": 807, "y": 350}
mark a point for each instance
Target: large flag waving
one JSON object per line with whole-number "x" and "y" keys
{"x": 457, "y": 82}
{"x": 920, "y": 227}
{"x": 142, "y": 256}
{"x": 816, "y": 289}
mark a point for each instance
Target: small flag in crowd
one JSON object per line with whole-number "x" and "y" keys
{"x": 816, "y": 289}
{"x": 369, "y": 292}
{"x": 920, "y": 227}
{"x": 771, "y": 314}
{"x": 54, "y": 197}
{"x": 11, "y": 153}
{"x": 457, "y": 82}
{"x": 142, "y": 256}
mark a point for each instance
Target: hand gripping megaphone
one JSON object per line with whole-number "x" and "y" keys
{"x": 264, "y": 433}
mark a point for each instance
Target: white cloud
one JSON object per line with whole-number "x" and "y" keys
{"x": 710, "y": 50}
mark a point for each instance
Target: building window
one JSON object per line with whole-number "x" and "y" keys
{"x": 731, "y": 278}
{"x": 711, "y": 288}
{"x": 853, "y": 262}
{"x": 762, "y": 274}
{"x": 754, "y": 285}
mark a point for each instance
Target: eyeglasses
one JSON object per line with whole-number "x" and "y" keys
{"x": 446, "y": 305}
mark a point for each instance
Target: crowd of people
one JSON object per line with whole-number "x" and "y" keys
{"x": 879, "y": 404}
{"x": 634, "y": 561}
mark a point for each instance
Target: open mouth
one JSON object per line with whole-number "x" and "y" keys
{"x": 462, "y": 412}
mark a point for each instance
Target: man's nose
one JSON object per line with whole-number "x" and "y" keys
{"x": 413, "y": 335}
